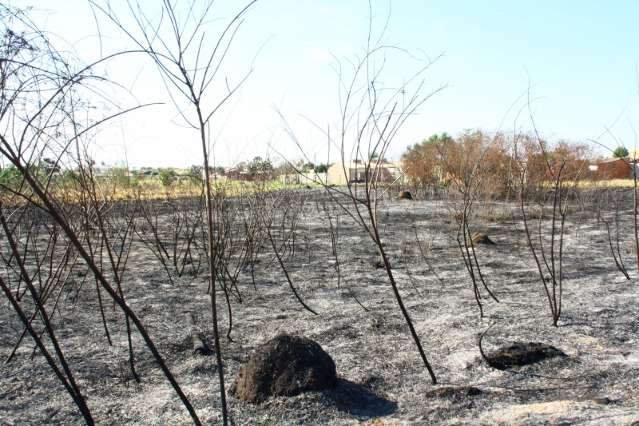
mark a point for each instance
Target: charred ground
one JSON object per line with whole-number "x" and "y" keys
{"x": 381, "y": 377}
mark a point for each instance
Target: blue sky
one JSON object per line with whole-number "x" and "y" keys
{"x": 579, "y": 58}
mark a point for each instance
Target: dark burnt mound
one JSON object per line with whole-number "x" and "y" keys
{"x": 284, "y": 366}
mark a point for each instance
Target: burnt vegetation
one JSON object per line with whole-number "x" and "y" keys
{"x": 109, "y": 294}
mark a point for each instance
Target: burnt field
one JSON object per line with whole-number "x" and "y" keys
{"x": 271, "y": 244}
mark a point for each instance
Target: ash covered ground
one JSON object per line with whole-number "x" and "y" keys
{"x": 381, "y": 377}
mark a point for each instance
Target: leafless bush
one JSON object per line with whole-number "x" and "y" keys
{"x": 548, "y": 178}
{"x": 171, "y": 230}
{"x": 42, "y": 95}
{"x": 177, "y": 46}
{"x": 282, "y": 214}
{"x": 370, "y": 117}
{"x": 472, "y": 176}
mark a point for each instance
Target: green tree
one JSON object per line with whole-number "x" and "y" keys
{"x": 261, "y": 167}
{"x": 620, "y": 152}
{"x": 167, "y": 177}
{"x": 321, "y": 168}
{"x": 10, "y": 176}
{"x": 196, "y": 174}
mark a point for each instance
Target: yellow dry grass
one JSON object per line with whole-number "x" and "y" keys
{"x": 150, "y": 190}
{"x": 611, "y": 183}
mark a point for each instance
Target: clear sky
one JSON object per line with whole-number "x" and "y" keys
{"x": 579, "y": 57}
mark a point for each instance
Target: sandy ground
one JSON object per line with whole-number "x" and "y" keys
{"x": 382, "y": 380}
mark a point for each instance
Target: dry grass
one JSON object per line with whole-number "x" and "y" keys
{"x": 153, "y": 190}
{"x": 611, "y": 183}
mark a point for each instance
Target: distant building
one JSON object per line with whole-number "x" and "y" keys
{"x": 340, "y": 174}
{"x": 243, "y": 174}
{"x": 238, "y": 173}
{"x": 304, "y": 178}
{"x": 613, "y": 168}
